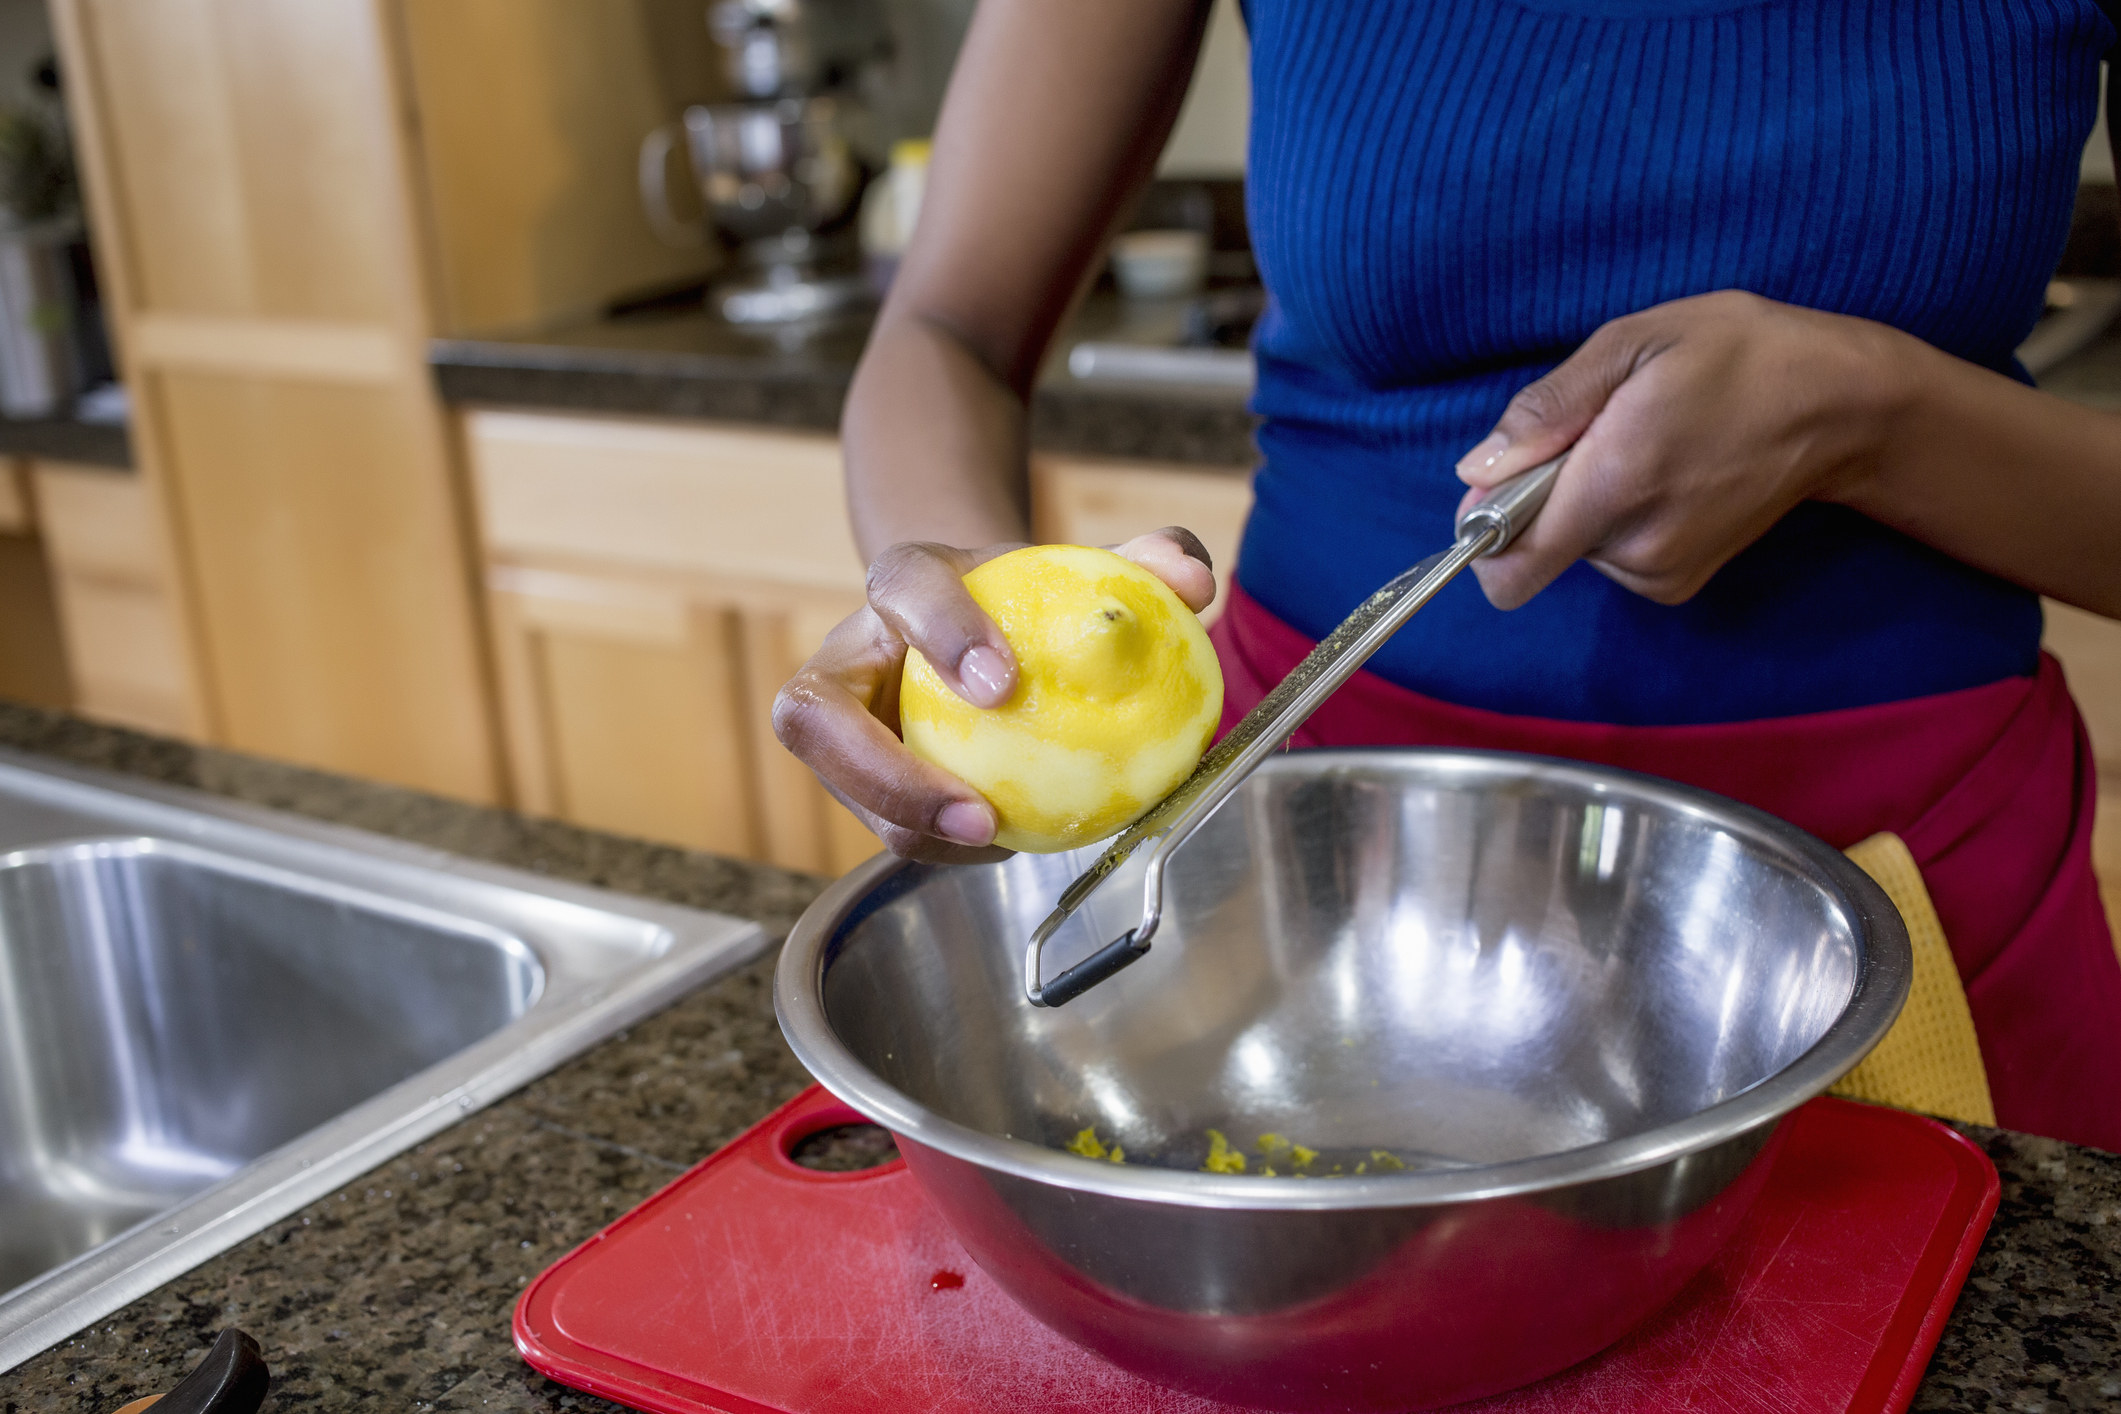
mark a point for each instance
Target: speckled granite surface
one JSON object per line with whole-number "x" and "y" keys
{"x": 687, "y": 364}
{"x": 2038, "y": 1327}
{"x": 395, "y": 1292}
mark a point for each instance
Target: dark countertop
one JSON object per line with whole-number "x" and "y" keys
{"x": 62, "y": 439}
{"x": 686, "y": 363}
{"x": 396, "y": 1291}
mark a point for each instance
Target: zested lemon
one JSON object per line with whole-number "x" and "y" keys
{"x": 1118, "y": 693}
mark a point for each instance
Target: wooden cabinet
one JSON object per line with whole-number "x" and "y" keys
{"x": 123, "y": 641}
{"x": 652, "y": 584}
{"x": 530, "y": 115}
{"x": 288, "y": 201}
{"x": 16, "y": 518}
{"x": 257, "y": 238}
{"x": 1081, "y": 501}
{"x": 33, "y": 666}
{"x": 2090, "y": 650}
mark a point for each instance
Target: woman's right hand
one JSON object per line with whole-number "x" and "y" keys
{"x": 839, "y": 713}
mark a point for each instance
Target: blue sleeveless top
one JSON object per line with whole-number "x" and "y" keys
{"x": 1446, "y": 196}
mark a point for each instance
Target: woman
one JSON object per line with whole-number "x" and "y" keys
{"x": 1763, "y": 263}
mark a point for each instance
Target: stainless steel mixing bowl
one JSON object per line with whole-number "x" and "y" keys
{"x": 1575, "y": 1002}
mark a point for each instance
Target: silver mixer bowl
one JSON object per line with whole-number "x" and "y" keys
{"x": 771, "y": 167}
{"x": 1573, "y": 1002}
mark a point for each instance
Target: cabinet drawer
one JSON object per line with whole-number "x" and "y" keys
{"x": 729, "y": 502}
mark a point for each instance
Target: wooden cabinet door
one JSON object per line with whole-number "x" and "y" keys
{"x": 33, "y": 665}
{"x": 124, "y": 644}
{"x": 1078, "y": 501}
{"x": 627, "y": 709}
{"x": 644, "y": 708}
{"x": 653, "y": 584}
{"x": 257, "y": 239}
{"x": 801, "y": 826}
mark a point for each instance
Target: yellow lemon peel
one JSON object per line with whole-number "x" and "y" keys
{"x": 1221, "y": 1157}
{"x": 1118, "y": 694}
{"x": 1275, "y": 1146}
{"x": 1089, "y": 1146}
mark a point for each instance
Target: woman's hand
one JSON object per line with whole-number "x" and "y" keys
{"x": 839, "y": 714}
{"x": 1696, "y": 426}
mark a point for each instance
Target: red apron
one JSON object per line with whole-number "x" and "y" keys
{"x": 1992, "y": 789}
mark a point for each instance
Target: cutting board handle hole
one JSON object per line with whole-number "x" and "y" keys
{"x": 836, "y": 1143}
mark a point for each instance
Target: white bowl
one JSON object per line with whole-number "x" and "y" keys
{"x": 1160, "y": 264}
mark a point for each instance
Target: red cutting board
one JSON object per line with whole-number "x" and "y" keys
{"x": 752, "y": 1284}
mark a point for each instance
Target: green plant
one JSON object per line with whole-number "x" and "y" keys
{"x": 36, "y": 167}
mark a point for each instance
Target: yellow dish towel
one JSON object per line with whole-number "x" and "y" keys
{"x": 1930, "y": 1060}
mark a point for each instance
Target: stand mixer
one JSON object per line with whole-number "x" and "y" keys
{"x": 776, "y": 170}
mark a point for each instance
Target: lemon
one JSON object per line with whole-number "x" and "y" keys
{"x": 1117, "y": 695}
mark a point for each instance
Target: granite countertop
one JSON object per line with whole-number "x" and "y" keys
{"x": 63, "y": 439}
{"x": 396, "y": 1291}
{"x": 687, "y": 363}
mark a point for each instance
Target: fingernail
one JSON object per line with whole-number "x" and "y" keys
{"x": 1488, "y": 452}
{"x": 966, "y": 823}
{"x": 985, "y": 673}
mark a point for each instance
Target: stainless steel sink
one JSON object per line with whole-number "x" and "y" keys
{"x": 211, "y": 1015}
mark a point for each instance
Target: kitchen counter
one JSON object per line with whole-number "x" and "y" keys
{"x": 686, "y": 363}
{"x": 65, "y": 439}
{"x": 395, "y": 1292}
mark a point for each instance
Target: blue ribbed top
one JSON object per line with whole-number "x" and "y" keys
{"x": 1446, "y": 196}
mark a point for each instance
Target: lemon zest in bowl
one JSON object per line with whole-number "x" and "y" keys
{"x": 1221, "y": 1157}
{"x": 1086, "y": 1144}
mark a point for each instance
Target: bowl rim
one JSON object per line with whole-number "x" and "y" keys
{"x": 1884, "y": 973}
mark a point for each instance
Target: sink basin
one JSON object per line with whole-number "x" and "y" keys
{"x": 168, "y": 1015}
{"x": 211, "y": 1015}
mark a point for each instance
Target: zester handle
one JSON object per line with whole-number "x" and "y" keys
{"x": 1510, "y": 507}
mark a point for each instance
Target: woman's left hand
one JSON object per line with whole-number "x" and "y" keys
{"x": 1696, "y": 425}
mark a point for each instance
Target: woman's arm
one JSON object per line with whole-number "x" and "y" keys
{"x": 1054, "y": 120}
{"x": 1056, "y": 113}
{"x": 1699, "y": 423}
{"x": 2064, "y": 537}
{"x": 2018, "y": 482}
